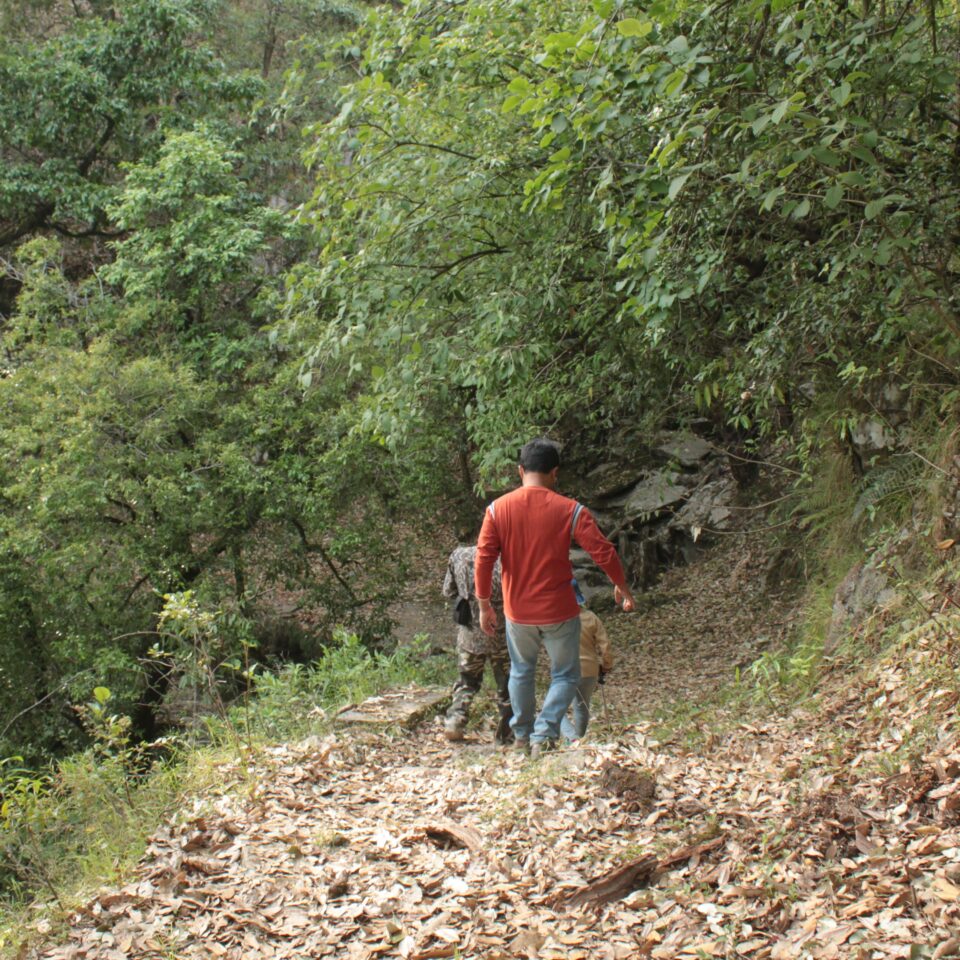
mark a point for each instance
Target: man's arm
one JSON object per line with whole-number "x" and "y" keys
{"x": 488, "y": 549}
{"x": 588, "y": 535}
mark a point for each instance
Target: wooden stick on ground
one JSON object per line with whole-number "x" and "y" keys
{"x": 617, "y": 884}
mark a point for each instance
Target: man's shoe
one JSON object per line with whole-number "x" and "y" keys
{"x": 538, "y": 749}
{"x": 454, "y": 727}
{"x": 521, "y": 745}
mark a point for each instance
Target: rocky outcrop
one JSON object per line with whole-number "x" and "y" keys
{"x": 659, "y": 509}
{"x": 878, "y": 433}
{"x": 864, "y": 590}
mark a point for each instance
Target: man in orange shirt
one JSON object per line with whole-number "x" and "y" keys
{"x": 531, "y": 530}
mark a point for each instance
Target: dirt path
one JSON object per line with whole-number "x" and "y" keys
{"x": 788, "y": 839}
{"x": 696, "y": 628}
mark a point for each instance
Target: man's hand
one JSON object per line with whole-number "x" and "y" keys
{"x": 623, "y": 598}
{"x": 488, "y": 620}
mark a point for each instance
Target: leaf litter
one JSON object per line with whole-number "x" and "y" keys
{"x": 816, "y": 834}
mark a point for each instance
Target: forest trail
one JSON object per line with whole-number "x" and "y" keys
{"x": 808, "y": 835}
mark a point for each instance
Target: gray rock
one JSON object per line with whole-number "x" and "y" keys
{"x": 710, "y": 506}
{"x": 608, "y": 481}
{"x": 862, "y": 591}
{"x": 654, "y": 494}
{"x": 872, "y": 435}
{"x": 688, "y": 451}
{"x": 894, "y": 399}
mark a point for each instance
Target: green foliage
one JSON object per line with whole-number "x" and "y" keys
{"x": 209, "y": 654}
{"x": 534, "y": 215}
{"x": 790, "y": 674}
{"x": 192, "y": 229}
{"x": 156, "y": 439}
{"x": 297, "y": 700}
{"x": 135, "y": 468}
{"x": 902, "y": 476}
{"x": 84, "y": 100}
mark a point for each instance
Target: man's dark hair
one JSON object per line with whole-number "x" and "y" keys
{"x": 540, "y": 456}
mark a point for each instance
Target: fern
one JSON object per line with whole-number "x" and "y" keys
{"x": 903, "y": 473}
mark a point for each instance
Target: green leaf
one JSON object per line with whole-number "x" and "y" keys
{"x": 675, "y": 82}
{"x": 771, "y": 197}
{"x": 883, "y": 253}
{"x": 631, "y": 27}
{"x": 511, "y": 102}
{"x": 559, "y": 123}
{"x": 520, "y": 86}
{"x": 841, "y": 93}
{"x": 874, "y": 207}
{"x": 780, "y": 110}
{"x": 862, "y": 153}
{"x": 827, "y": 156}
{"x": 377, "y": 372}
{"x": 101, "y": 694}
{"x": 853, "y": 178}
{"x": 801, "y": 209}
{"x": 676, "y": 185}
{"x": 833, "y": 196}
{"x": 560, "y": 42}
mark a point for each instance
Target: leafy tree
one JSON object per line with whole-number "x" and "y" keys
{"x": 192, "y": 230}
{"x": 156, "y": 441}
{"x": 544, "y": 214}
{"x": 82, "y": 101}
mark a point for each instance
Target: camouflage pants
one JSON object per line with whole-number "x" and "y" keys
{"x": 471, "y": 662}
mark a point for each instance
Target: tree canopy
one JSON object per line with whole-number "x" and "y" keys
{"x": 541, "y": 213}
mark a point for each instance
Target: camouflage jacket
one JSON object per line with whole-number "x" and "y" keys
{"x": 458, "y": 583}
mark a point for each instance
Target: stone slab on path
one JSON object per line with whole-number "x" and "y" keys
{"x": 406, "y": 707}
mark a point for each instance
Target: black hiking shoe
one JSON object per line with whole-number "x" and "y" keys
{"x": 504, "y": 735}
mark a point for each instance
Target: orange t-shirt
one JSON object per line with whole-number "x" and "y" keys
{"x": 530, "y": 530}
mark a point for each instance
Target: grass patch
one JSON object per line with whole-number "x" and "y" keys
{"x": 298, "y": 700}
{"x": 86, "y": 824}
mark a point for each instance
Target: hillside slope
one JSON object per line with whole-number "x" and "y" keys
{"x": 831, "y": 829}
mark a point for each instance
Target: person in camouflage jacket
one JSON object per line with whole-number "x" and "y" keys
{"x": 475, "y": 649}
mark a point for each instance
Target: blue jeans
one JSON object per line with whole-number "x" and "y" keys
{"x": 581, "y": 710}
{"x": 562, "y": 641}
